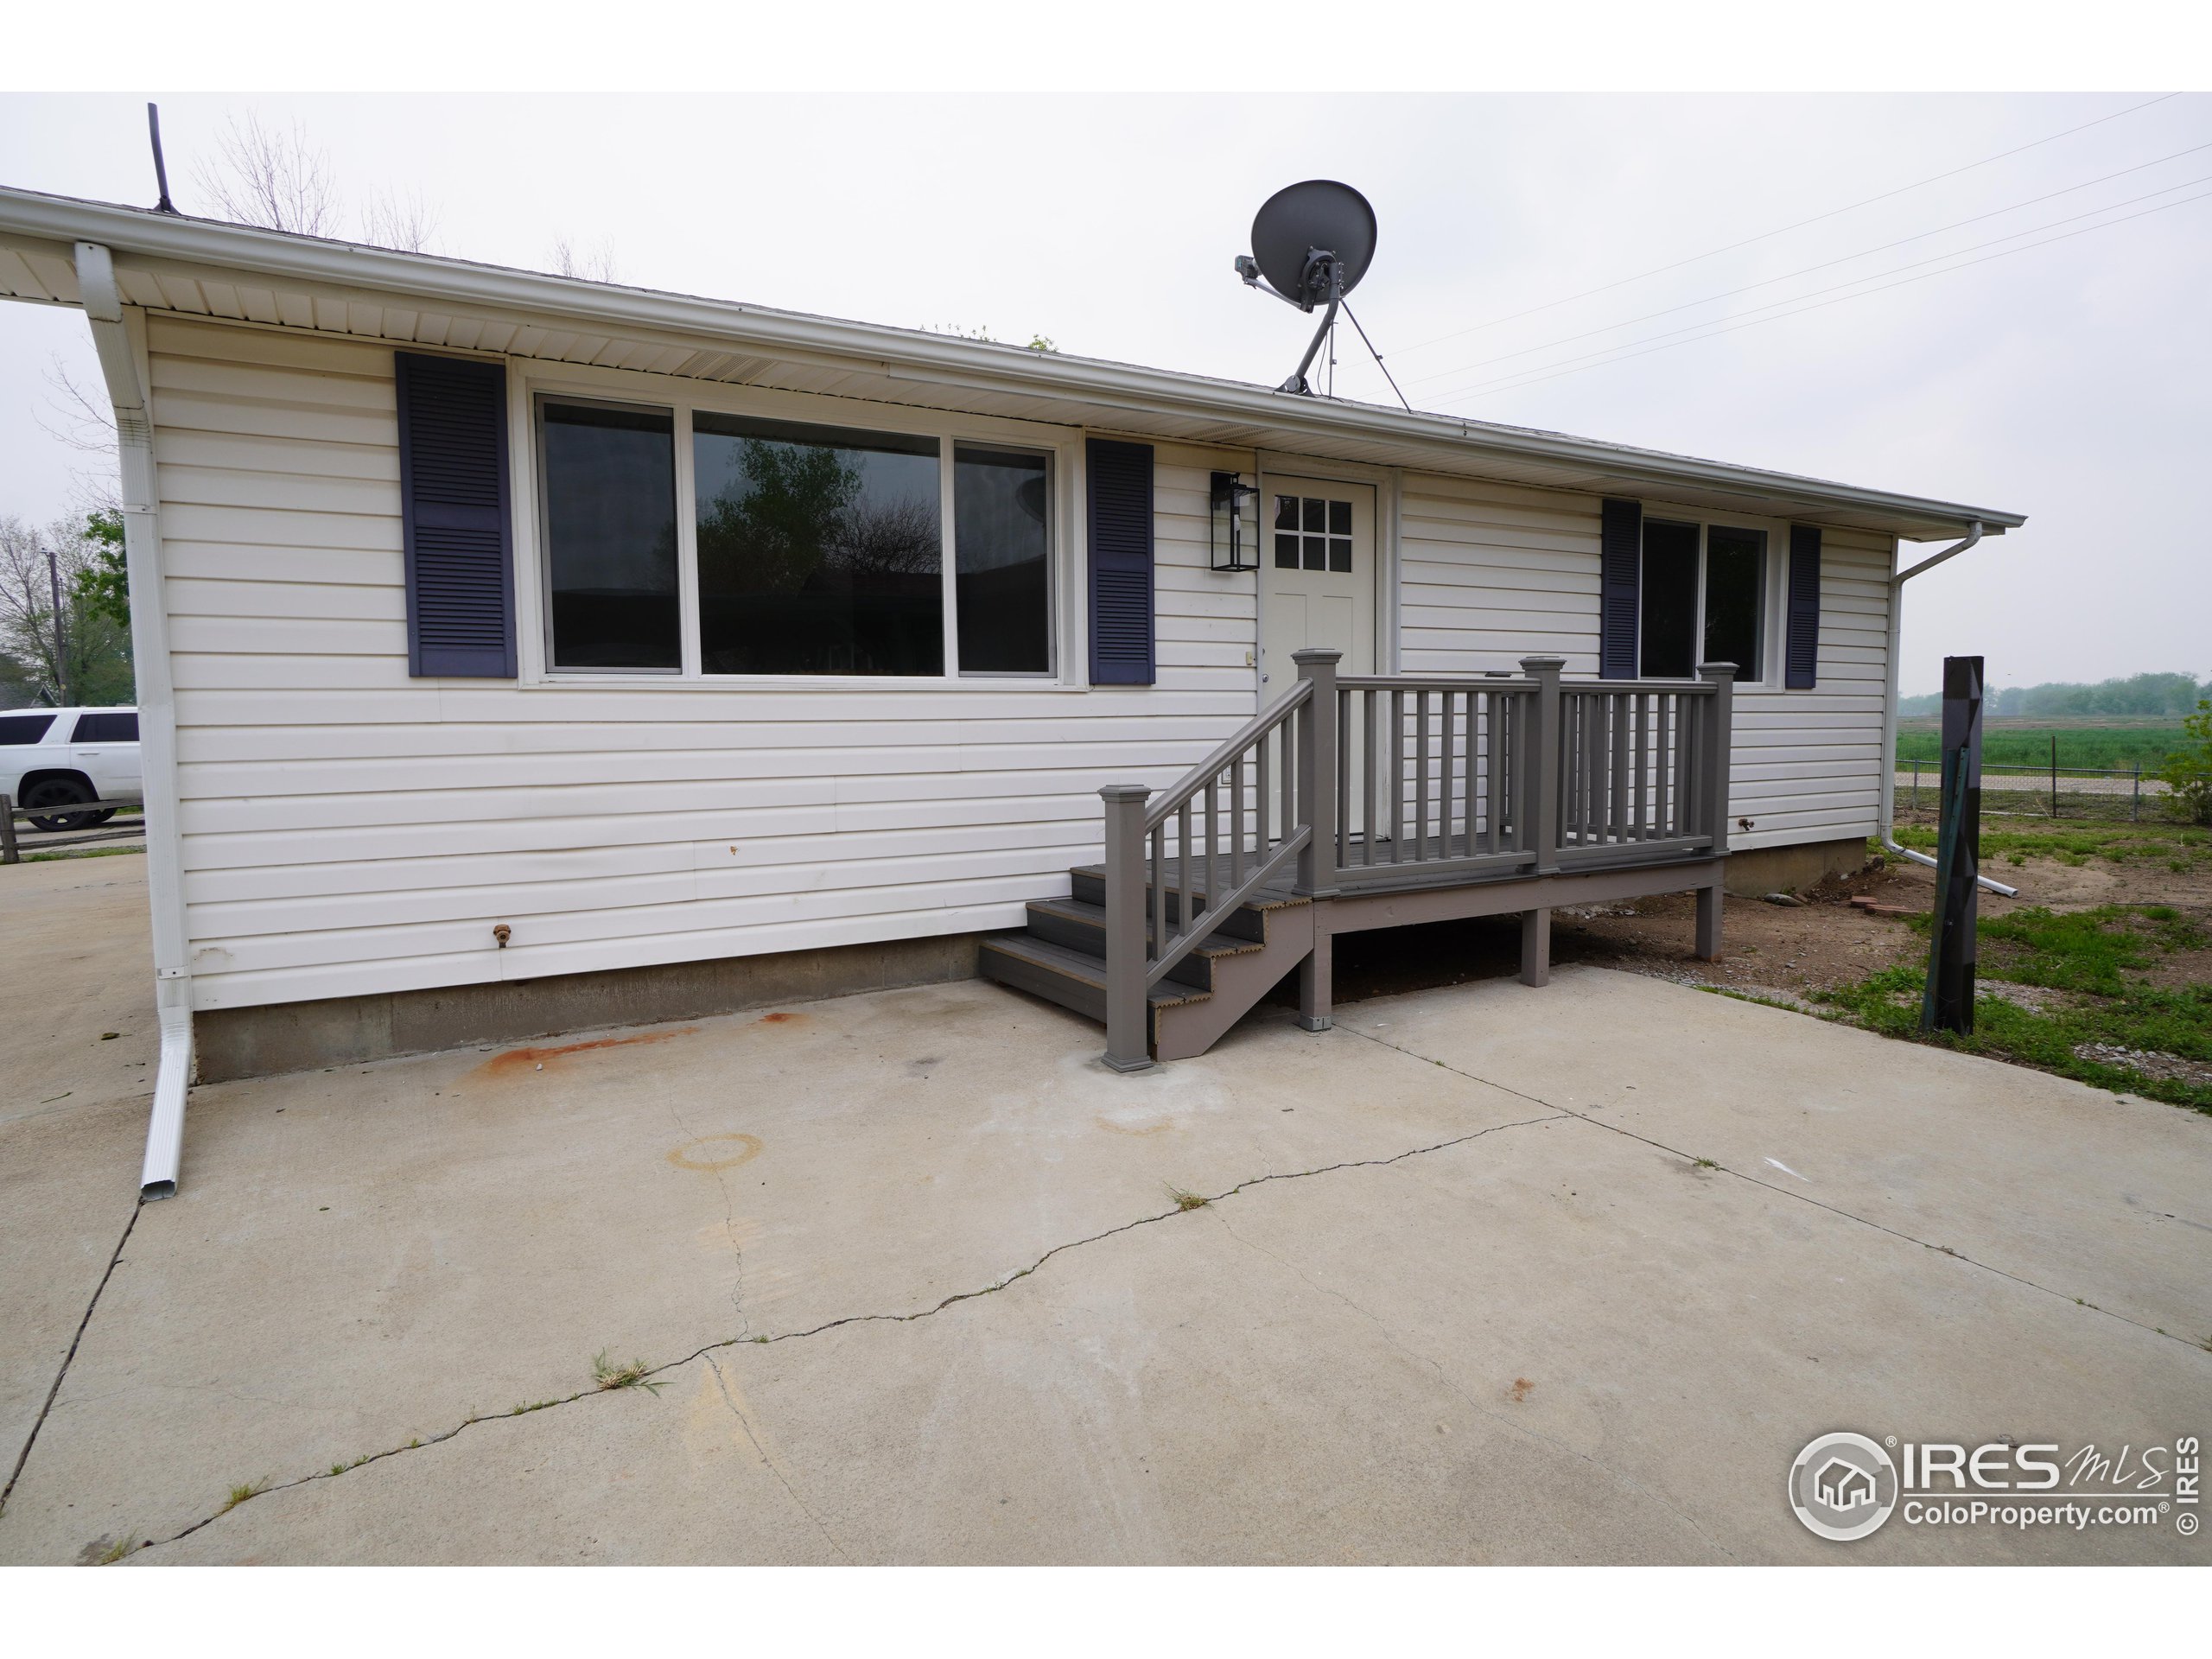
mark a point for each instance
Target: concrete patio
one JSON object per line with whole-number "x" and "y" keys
{"x": 914, "y": 1284}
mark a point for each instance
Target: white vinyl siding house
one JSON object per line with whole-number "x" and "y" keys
{"x": 329, "y": 825}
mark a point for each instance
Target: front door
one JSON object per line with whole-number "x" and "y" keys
{"x": 1317, "y": 575}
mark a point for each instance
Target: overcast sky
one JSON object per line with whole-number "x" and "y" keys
{"x": 2071, "y": 382}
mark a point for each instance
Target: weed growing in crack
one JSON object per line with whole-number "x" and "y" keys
{"x": 608, "y": 1375}
{"x": 337, "y": 1468}
{"x": 1185, "y": 1200}
{"x": 1705, "y": 1163}
{"x": 241, "y": 1494}
{"x": 117, "y": 1551}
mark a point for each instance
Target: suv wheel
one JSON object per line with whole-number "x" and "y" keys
{"x": 61, "y": 791}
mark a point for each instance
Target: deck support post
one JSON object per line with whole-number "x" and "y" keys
{"x": 1714, "y": 753}
{"x": 1536, "y": 947}
{"x": 1316, "y": 977}
{"x": 1709, "y": 923}
{"x": 1540, "y": 756}
{"x": 1129, "y": 1023}
{"x": 1317, "y": 773}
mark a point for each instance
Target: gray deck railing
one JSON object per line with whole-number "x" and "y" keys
{"x": 1371, "y": 782}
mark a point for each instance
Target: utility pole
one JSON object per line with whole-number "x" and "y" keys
{"x": 60, "y": 638}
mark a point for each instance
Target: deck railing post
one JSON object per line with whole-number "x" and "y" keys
{"x": 8, "y": 853}
{"x": 1719, "y": 734}
{"x": 1317, "y": 773}
{"x": 1540, "y": 748}
{"x": 1129, "y": 1036}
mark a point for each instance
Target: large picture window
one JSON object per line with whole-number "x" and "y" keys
{"x": 610, "y": 537}
{"x": 821, "y": 551}
{"x": 1703, "y": 596}
{"x": 818, "y": 549}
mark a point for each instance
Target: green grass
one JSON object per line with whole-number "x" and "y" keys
{"x": 2181, "y": 846}
{"x": 2117, "y": 747}
{"x": 2099, "y": 956}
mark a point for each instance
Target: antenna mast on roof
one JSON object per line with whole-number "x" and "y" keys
{"x": 160, "y": 168}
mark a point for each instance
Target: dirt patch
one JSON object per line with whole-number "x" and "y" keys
{"x": 516, "y": 1061}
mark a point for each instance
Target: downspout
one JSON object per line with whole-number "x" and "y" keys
{"x": 1889, "y": 838}
{"x": 150, "y": 645}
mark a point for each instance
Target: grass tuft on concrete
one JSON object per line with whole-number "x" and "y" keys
{"x": 608, "y": 1375}
{"x": 1185, "y": 1200}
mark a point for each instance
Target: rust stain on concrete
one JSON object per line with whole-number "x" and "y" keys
{"x": 716, "y": 1152}
{"x": 516, "y": 1061}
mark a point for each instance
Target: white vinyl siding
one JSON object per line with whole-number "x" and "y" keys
{"x": 348, "y": 829}
{"x": 1491, "y": 572}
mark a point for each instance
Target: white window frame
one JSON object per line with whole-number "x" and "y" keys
{"x": 687, "y": 642}
{"x": 1061, "y": 447}
{"x": 1763, "y": 674}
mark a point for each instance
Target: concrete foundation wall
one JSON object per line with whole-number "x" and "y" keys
{"x": 1781, "y": 869}
{"x": 254, "y": 1042}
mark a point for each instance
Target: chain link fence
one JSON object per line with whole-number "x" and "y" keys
{"x": 2043, "y": 792}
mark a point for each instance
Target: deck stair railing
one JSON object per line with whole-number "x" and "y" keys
{"x": 1372, "y": 782}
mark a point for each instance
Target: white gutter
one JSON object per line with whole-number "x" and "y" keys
{"x": 150, "y": 645}
{"x": 1889, "y": 836}
{"x": 902, "y": 353}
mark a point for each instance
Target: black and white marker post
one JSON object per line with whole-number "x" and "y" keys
{"x": 1948, "y": 1003}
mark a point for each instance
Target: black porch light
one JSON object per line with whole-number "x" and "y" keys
{"x": 1235, "y": 532}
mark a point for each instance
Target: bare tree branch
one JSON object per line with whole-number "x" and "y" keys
{"x": 403, "y": 222}
{"x": 274, "y": 179}
{"x": 592, "y": 265}
{"x": 81, "y": 419}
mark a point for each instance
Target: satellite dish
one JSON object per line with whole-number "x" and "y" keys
{"x": 1311, "y": 242}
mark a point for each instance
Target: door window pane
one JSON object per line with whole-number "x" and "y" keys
{"x": 610, "y": 537}
{"x": 1669, "y": 601}
{"x": 821, "y": 550}
{"x": 1285, "y": 533}
{"x": 1735, "y": 565}
{"x": 1000, "y": 562}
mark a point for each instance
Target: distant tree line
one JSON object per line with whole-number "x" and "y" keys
{"x": 2151, "y": 696}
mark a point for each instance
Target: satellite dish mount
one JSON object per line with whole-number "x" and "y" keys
{"x": 1310, "y": 245}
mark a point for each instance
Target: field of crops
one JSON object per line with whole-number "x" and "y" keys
{"x": 2117, "y": 744}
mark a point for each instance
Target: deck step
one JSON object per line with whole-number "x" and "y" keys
{"x": 1069, "y": 978}
{"x": 1248, "y": 921}
{"x": 1082, "y": 927}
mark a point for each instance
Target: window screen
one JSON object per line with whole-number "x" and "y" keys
{"x": 610, "y": 535}
{"x": 17, "y": 729}
{"x": 1669, "y": 622}
{"x": 1735, "y": 588}
{"x": 115, "y": 728}
{"x": 1001, "y": 590}
{"x": 821, "y": 550}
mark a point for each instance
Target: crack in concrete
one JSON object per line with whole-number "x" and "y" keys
{"x": 1783, "y": 1191}
{"x": 47, "y": 1406}
{"x": 1391, "y": 1337}
{"x": 769, "y": 1463}
{"x": 859, "y": 1318}
{"x": 730, "y": 1231}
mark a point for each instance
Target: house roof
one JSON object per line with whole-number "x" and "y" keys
{"x": 205, "y": 268}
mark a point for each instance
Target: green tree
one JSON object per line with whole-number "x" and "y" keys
{"x": 2188, "y": 771}
{"x": 104, "y": 584}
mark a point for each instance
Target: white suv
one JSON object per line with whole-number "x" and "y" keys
{"x": 64, "y": 757}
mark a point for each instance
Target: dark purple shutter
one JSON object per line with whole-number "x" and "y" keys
{"x": 452, "y": 490}
{"x": 1802, "y": 633}
{"x": 1121, "y": 563}
{"x": 1620, "y": 581}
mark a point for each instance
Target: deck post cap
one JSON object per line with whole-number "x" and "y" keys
{"x": 1316, "y": 654}
{"x": 1716, "y": 671}
{"x": 1125, "y": 792}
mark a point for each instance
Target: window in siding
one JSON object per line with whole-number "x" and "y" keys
{"x": 609, "y": 480}
{"x": 821, "y": 550}
{"x": 1703, "y": 600}
{"x": 1001, "y": 512}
